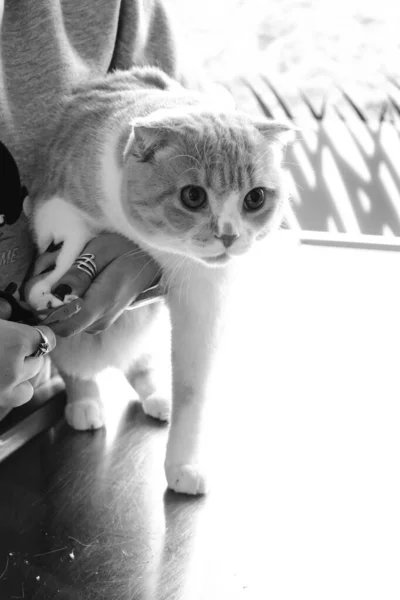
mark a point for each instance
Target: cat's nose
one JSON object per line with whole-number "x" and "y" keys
{"x": 227, "y": 238}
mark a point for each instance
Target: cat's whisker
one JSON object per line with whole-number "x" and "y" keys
{"x": 260, "y": 163}
{"x": 261, "y": 156}
{"x": 292, "y": 164}
{"x": 134, "y": 252}
{"x": 181, "y": 283}
{"x": 180, "y": 264}
{"x": 204, "y": 149}
{"x": 188, "y": 284}
{"x": 256, "y": 167}
{"x": 300, "y": 186}
{"x": 170, "y": 281}
{"x": 198, "y": 153}
{"x": 191, "y": 169}
{"x": 186, "y": 259}
{"x": 206, "y": 157}
{"x": 263, "y": 153}
{"x": 175, "y": 270}
{"x": 261, "y": 171}
{"x": 221, "y": 157}
{"x": 185, "y": 156}
{"x": 142, "y": 269}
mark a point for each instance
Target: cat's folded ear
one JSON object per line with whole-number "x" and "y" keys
{"x": 276, "y": 131}
{"x": 144, "y": 141}
{"x": 150, "y": 134}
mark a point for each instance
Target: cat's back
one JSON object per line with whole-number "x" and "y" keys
{"x": 120, "y": 90}
{"x": 109, "y": 101}
{"x": 91, "y": 111}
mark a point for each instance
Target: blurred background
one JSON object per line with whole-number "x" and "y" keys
{"x": 312, "y": 44}
{"x": 334, "y": 69}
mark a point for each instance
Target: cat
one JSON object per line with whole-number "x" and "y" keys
{"x": 194, "y": 183}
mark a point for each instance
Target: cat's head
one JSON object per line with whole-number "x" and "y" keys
{"x": 204, "y": 184}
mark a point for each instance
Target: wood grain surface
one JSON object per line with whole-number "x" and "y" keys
{"x": 306, "y": 489}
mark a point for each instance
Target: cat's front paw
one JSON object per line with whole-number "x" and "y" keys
{"x": 40, "y": 296}
{"x": 157, "y": 406}
{"x": 84, "y": 414}
{"x": 186, "y": 479}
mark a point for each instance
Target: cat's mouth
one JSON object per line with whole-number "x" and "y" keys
{"x": 220, "y": 259}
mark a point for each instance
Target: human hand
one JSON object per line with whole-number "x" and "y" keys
{"x": 18, "y": 343}
{"x": 124, "y": 271}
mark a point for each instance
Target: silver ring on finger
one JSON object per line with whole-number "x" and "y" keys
{"x": 44, "y": 345}
{"x": 87, "y": 264}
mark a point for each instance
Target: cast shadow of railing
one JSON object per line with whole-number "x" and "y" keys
{"x": 344, "y": 166}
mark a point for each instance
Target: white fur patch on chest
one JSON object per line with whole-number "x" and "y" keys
{"x": 57, "y": 220}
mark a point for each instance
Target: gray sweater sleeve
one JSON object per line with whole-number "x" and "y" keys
{"x": 46, "y": 47}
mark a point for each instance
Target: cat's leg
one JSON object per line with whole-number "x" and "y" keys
{"x": 149, "y": 379}
{"x": 84, "y": 409}
{"x": 195, "y": 319}
{"x": 57, "y": 221}
{"x": 40, "y": 295}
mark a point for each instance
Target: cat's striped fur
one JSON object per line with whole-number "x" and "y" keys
{"x": 124, "y": 149}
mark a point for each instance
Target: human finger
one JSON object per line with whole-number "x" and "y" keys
{"x": 33, "y": 338}
{"x": 104, "y": 323}
{"x": 104, "y": 248}
{"x": 5, "y": 309}
{"x": 4, "y": 410}
{"x": 14, "y": 396}
{"x": 63, "y": 312}
{"x": 43, "y": 264}
{"x": 21, "y": 394}
{"x": 111, "y": 292}
{"x": 31, "y": 368}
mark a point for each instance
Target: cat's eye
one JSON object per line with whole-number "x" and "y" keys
{"x": 193, "y": 197}
{"x": 255, "y": 199}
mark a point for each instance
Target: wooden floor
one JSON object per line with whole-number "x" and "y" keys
{"x": 306, "y": 499}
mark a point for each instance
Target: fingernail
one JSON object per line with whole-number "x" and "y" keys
{"x": 54, "y": 247}
{"x": 61, "y": 291}
{"x": 11, "y": 288}
{"x": 5, "y": 310}
{"x": 76, "y": 309}
{"x": 23, "y": 192}
{"x": 50, "y": 268}
{"x": 72, "y": 308}
{"x": 63, "y": 313}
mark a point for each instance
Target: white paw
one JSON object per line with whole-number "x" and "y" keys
{"x": 157, "y": 407}
{"x": 186, "y": 479}
{"x": 84, "y": 414}
{"x": 40, "y": 296}
{"x": 50, "y": 301}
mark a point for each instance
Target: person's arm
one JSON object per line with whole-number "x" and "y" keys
{"x": 125, "y": 32}
{"x": 18, "y": 344}
{"x": 124, "y": 271}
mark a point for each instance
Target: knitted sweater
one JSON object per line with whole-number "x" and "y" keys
{"x": 46, "y": 47}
